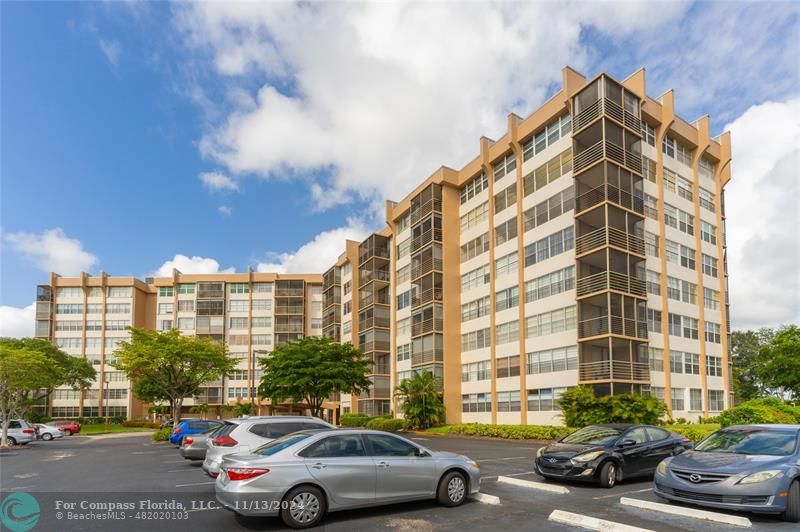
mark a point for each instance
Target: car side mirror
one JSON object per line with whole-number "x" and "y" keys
{"x": 628, "y": 443}
{"x": 421, "y": 454}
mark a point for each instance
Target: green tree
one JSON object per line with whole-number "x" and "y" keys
{"x": 167, "y": 366}
{"x": 310, "y": 370}
{"x": 242, "y": 409}
{"x": 747, "y": 361}
{"x": 75, "y": 372}
{"x": 780, "y": 362}
{"x": 580, "y": 407}
{"x": 202, "y": 409}
{"x": 421, "y": 400}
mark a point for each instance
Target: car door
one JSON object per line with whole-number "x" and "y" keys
{"x": 635, "y": 455}
{"x": 661, "y": 446}
{"x": 341, "y": 464}
{"x": 401, "y": 473}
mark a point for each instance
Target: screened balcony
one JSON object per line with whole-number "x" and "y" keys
{"x": 605, "y": 96}
{"x": 210, "y": 290}
{"x": 289, "y": 305}
{"x": 427, "y": 319}
{"x": 612, "y": 314}
{"x": 426, "y": 261}
{"x": 426, "y": 232}
{"x": 374, "y": 246}
{"x": 289, "y": 324}
{"x": 290, "y": 288}
{"x": 605, "y": 139}
{"x": 427, "y": 289}
{"x": 613, "y": 360}
{"x": 375, "y": 316}
{"x": 609, "y": 227}
{"x": 427, "y": 201}
{"x": 427, "y": 349}
{"x": 375, "y": 269}
{"x": 374, "y": 294}
{"x": 612, "y": 183}
{"x": 375, "y": 340}
{"x": 609, "y": 269}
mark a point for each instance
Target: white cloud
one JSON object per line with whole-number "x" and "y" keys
{"x": 52, "y": 251}
{"x": 186, "y": 264}
{"x": 224, "y": 209}
{"x": 317, "y": 255}
{"x": 215, "y": 181}
{"x": 382, "y": 94}
{"x": 17, "y": 322}
{"x": 112, "y": 49}
{"x": 762, "y": 215}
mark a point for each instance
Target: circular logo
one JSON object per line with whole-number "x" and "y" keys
{"x": 694, "y": 477}
{"x": 19, "y": 512}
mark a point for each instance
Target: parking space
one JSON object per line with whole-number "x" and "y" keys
{"x": 123, "y": 468}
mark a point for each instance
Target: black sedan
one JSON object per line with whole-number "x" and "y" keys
{"x": 607, "y": 453}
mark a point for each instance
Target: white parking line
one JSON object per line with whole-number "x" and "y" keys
{"x": 623, "y": 493}
{"x": 485, "y": 498}
{"x": 591, "y": 523}
{"x": 194, "y": 484}
{"x": 27, "y": 475}
{"x": 510, "y": 475}
{"x": 685, "y": 511}
{"x": 531, "y": 484}
{"x": 21, "y": 488}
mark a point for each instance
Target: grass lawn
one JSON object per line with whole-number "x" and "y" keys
{"x": 111, "y": 427}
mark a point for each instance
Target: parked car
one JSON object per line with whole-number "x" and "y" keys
{"x": 607, "y": 453}
{"x": 753, "y": 468}
{"x": 303, "y": 475}
{"x": 191, "y": 426}
{"x": 20, "y": 432}
{"x": 169, "y": 423}
{"x": 242, "y": 435}
{"x": 47, "y": 432}
{"x": 67, "y": 426}
{"x": 194, "y": 447}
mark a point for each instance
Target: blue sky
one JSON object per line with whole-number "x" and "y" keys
{"x": 305, "y": 117}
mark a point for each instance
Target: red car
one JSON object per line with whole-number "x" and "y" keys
{"x": 67, "y": 426}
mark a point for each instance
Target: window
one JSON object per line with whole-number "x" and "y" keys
{"x": 706, "y": 199}
{"x": 687, "y": 257}
{"x": 675, "y": 324}
{"x": 507, "y": 367}
{"x": 404, "y": 300}
{"x": 686, "y": 222}
{"x": 550, "y": 284}
{"x": 186, "y": 305}
{"x": 685, "y": 188}
{"x": 708, "y": 232}
{"x": 403, "y": 276}
{"x": 656, "y": 358}
{"x": 674, "y": 288}
{"x": 261, "y": 304}
{"x": 316, "y": 323}
{"x": 710, "y": 298}
{"x": 403, "y": 223}
{"x": 262, "y": 288}
{"x": 508, "y": 401}
{"x": 117, "y": 325}
{"x": 706, "y": 168}
{"x": 187, "y": 324}
{"x": 668, "y": 146}
{"x": 347, "y": 307}
{"x": 403, "y": 248}
{"x": 552, "y": 360}
{"x": 94, "y": 325}
{"x": 70, "y": 343}
{"x": 678, "y": 399}
{"x": 506, "y": 265}
{"x": 238, "y": 375}
{"x": 657, "y": 392}
{"x": 163, "y": 291}
{"x": 264, "y": 321}
{"x": 475, "y": 340}
{"x": 709, "y": 265}
{"x": 404, "y": 326}
{"x": 239, "y": 288}
{"x": 505, "y": 198}
{"x": 503, "y": 167}
{"x": 651, "y": 244}
{"x": 403, "y": 352}
{"x": 676, "y": 362}
{"x": 262, "y": 339}
{"x": 695, "y": 399}
{"x": 551, "y": 208}
{"x": 506, "y": 299}
{"x": 336, "y": 447}
{"x": 712, "y": 331}
{"x": 654, "y": 320}
{"x": 550, "y": 246}
{"x": 716, "y": 400}
{"x": 92, "y": 341}
{"x": 648, "y": 133}
{"x": 475, "y": 216}
{"x": 475, "y": 247}
{"x": 387, "y": 445}
{"x": 683, "y": 154}
{"x": 553, "y": 131}
{"x": 653, "y": 283}
{"x": 95, "y": 291}
{"x": 544, "y": 399}
{"x": 688, "y": 292}
{"x": 691, "y": 364}
{"x": 475, "y": 278}
{"x": 689, "y": 327}
{"x": 347, "y": 326}
{"x": 186, "y": 289}
{"x": 559, "y": 320}
{"x": 713, "y": 366}
{"x": 476, "y": 402}
{"x": 234, "y": 305}
{"x": 122, "y": 308}
{"x": 69, "y": 291}
{"x": 71, "y": 325}
{"x": 507, "y": 332}
{"x": 237, "y": 323}
{"x": 651, "y": 207}
{"x": 125, "y": 291}
{"x": 476, "y": 371}
{"x": 164, "y": 325}
{"x": 475, "y": 309}
{"x": 474, "y": 186}
{"x": 548, "y": 172}
{"x": 649, "y": 169}
{"x": 505, "y": 231}
{"x": 316, "y": 307}
{"x": 163, "y": 308}
{"x": 115, "y": 393}
{"x": 69, "y": 308}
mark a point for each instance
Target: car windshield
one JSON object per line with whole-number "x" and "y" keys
{"x": 281, "y": 443}
{"x": 594, "y": 436}
{"x": 213, "y": 430}
{"x": 750, "y": 441}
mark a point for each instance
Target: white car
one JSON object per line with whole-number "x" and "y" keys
{"x": 20, "y": 432}
{"x": 48, "y": 432}
{"x": 242, "y": 435}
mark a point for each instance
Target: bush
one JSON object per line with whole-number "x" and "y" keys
{"x": 141, "y": 423}
{"x": 161, "y": 435}
{"x": 358, "y": 420}
{"x": 695, "y": 432}
{"x": 580, "y": 408}
{"x": 766, "y": 410}
{"x": 381, "y": 423}
{"x": 510, "y": 432}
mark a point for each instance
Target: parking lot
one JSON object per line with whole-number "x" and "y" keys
{"x": 129, "y": 468}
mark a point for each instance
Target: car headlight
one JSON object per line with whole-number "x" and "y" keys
{"x": 473, "y": 463}
{"x": 761, "y": 476}
{"x": 662, "y": 468}
{"x": 587, "y": 457}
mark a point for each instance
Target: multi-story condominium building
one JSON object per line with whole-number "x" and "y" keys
{"x": 251, "y": 312}
{"x": 585, "y": 246}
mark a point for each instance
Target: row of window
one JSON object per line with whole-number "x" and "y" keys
{"x": 559, "y": 127}
{"x": 547, "y": 173}
{"x": 550, "y": 246}
{"x": 504, "y": 166}
{"x": 475, "y": 216}
{"x": 233, "y": 288}
{"x": 94, "y": 291}
{"x": 555, "y": 321}
{"x": 716, "y": 398}
{"x": 549, "y": 209}
{"x": 550, "y": 284}
{"x": 473, "y": 187}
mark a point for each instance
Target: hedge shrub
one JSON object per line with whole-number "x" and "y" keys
{"x": 694, "y": 432}
{"x": 766, "y": 410}
{"x": 161, "y": 435}
{"x": 580, "y": 407}
{"x": 382, "y": 423}
{"x": 357, "y": 420}
{"x": 511, "y": 432}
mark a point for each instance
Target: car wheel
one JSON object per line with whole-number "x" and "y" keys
{"x": 47, "y": 436}
{"x": 68, "y": 432}
{"x": 303, "y": 507}
{"x": 792, "y": 513}
{"x": 608, "y": 475}
{"x": 11, "y": 441}
{"x": 452, "y": 489}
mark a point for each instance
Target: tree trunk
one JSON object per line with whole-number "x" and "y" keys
{"x": 6, "y": 423}
{"x": 176, "y": 412}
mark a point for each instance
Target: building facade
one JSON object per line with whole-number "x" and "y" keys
{"x": 251, "y": 312}
{"x": 585, "y": 246}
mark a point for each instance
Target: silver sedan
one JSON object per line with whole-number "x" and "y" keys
{"x": 303, "y": 475}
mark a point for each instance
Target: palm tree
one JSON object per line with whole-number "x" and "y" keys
{"x": 421, "y": 400}
{"x": 202, "y": 408}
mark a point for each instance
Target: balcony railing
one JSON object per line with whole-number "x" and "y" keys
{"x": 371, "y": 299}
{"x": 432, "y": 294}
{"x": 606, "y": 370}
{"x": 369, "y": 275}
{"x": 426, "y": 267}
{"x": 327, "y": 321}
{"x": 43, "y": 332}
{"x": 377, "y": 345}
{"x": 609, "y": 280}
{"x": 612, "y": 325}
{"x": 609, "y": 236}
{"x": 427, "y": 357}
{"x": 611, "y": 109}
{"x": 426, "y": 326}
{"x": 289, "y": 292}
{"x": 424, "y": 209}
{"x": 369, "y": 323}
{"x": 210, "y": 329}
{"x": 428, "y": 237}
{"x": 292, "y": 309}
{"x": 608, "y": 192}
{"x": 289, "y": 328}
{"x": 600, "y": 149}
